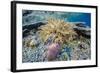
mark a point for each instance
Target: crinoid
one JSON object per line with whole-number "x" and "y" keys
{"x": 59, "y": 30}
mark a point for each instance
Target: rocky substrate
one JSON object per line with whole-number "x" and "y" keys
{"x": 78, "y": 50}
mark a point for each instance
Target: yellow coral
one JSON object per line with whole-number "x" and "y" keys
{"x": 62, "y": 31}
{"x": 30, "y": 43}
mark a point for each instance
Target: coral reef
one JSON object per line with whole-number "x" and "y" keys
{"x": 54, "y": 38}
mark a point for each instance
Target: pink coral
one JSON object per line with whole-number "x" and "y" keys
{"x": 52, "y": 51}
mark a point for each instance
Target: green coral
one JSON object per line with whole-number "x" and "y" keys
{"x": 64, "y": 56}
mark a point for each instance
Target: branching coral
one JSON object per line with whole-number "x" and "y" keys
{"x": 59, "y": 30}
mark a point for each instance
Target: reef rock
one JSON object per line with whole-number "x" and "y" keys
{"x": 28, "y": 28}
{"x": 25, "y": 13}
{"x": 82, "y": 30}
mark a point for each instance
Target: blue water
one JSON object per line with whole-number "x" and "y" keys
{"x": 31, "y": 16}
{"x": 83, "y": 17}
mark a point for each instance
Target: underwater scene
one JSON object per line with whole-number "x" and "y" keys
{"x": 55, "y": 36}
